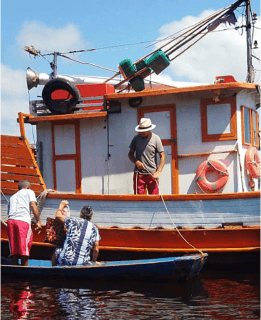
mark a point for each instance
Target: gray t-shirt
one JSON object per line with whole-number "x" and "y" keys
{"x": 146, "y": 150}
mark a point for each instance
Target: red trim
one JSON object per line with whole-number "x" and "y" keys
{"x": 173, "y": 197}
{"x": 67, "y": 117}
{"x": 164, "y": 240}
{"x": 236, "y": 86}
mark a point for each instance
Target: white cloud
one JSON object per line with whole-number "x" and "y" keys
{"x": 218, "y": 53}
{"x": 43, "y": 37}
{"x": 14, "y": 99}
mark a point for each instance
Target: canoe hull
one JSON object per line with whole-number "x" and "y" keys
{"x": 175, "y": 268}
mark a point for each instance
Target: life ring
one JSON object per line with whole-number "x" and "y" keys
{"x": 212, "y": 165}
{"x": 61, "y": 106}
{"x": 252, "y": 161}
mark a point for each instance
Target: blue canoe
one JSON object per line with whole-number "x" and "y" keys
{"x": 183, "y": 267}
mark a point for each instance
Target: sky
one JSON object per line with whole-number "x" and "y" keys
{"x": 117, "y": 30}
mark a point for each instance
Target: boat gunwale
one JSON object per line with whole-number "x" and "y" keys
{"x": 110, "y": 264}
{"x": 137, "y": 198}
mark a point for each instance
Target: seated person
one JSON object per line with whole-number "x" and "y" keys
{"x": 82, "y": 239}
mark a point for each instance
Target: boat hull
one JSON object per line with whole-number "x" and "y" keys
{"x": 175, "y": 268}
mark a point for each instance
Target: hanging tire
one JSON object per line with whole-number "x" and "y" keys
{"x": 60, "y": 106}
{"x": 216, "y": 166}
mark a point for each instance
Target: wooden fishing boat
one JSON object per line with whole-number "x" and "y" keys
{"x": 209, "y": 189}
{"x": 184, "y": 267}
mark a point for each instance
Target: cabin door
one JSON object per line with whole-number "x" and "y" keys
{"x": 164, "y": 117}
{"x": 66, "y": 157}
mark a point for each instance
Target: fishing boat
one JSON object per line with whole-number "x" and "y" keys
{"x": 209, "y": 197}
{"x": 176, "y": 268}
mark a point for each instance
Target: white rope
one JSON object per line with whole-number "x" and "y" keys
{"x": 164, "y": 203}
{"x": 3, "y": 222}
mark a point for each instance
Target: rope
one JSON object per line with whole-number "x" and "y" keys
{"x": 4, "y": 196}
{"x": 3, "y": 222}
{"x": 164, "y": 203}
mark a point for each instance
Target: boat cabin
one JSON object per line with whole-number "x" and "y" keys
{"x": 85, "y": 150}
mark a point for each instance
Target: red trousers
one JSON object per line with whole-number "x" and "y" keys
{"x": 20, "y": 237}
{"x": 142, "y": 182}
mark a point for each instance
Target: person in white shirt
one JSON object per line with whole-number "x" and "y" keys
{"x": 19, "y": 231}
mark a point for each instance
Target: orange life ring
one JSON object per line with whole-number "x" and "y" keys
{"x": 252, "y": 160}
{"x": 212, "y": 165}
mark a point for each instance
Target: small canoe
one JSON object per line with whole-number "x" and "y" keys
{"x": 184, "y": 267}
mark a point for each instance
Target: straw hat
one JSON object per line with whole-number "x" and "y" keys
{"x": 145, "y": 125}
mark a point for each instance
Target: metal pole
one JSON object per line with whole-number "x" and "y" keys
{"x": 249, "y": 43}
{"x": 54, "y": 65}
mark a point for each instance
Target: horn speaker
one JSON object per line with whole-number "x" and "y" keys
{"x": 32, "y": 78}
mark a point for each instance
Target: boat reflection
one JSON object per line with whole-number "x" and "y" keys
{"x": 213, "y": 295}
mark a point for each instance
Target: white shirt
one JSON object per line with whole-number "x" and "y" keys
{"x": 19, "y": 205}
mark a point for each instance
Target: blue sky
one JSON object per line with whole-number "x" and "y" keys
{"x": 118, "y": 30}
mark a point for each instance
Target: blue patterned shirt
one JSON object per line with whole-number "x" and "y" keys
{"x": 76, "y": 249}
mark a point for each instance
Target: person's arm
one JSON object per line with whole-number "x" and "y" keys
{"x": 132, "y": 158}
{"x": 157, "y": 174}
{"x": 95, "y": 251}
{"x": 35, "y": 211}
{"x": 59, "y": 211}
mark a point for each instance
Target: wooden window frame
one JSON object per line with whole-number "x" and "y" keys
{"x": 251, "y": 125}
{"x": 206, "y": 137}
{"x": 76, "y": 157}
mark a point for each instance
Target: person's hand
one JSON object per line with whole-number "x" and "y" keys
{"x": 156, "y": 175}
{"x": 38, "y": 226}
{"x": 140, "y": 165}
{"x": 63, "y": 204}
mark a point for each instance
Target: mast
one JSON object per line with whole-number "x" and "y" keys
{"x": 249, "y": 43}
{"x": 54, "y": 65}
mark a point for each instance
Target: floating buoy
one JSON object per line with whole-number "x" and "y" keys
{"x": 216, "y": 166}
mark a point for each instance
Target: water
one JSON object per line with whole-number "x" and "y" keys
{"x": 211, "y": 295}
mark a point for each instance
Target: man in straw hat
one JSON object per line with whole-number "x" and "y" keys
{"x": 143, "y": 150}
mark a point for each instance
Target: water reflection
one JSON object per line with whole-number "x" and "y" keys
{"x": 210, "y": 296}
{"x": 77, "y": 303}
{"x": 20, "y": 300}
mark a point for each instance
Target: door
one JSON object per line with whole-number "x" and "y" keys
{"x": 66, "y": 157}
{"x": 164, "y": 117}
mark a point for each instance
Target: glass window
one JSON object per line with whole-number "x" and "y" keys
{"x": 218, "y": 120}
{"x": 254, "y": 128}
{"x": 247, "y": 135}
{"x": 250, "y": 126}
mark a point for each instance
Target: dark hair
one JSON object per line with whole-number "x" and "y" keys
{"x": 23, "y": 184}
{"x": 86, "y": 213}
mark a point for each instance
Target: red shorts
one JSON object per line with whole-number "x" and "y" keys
{"x": 20, "y": 237}
{"x": 141, "y": 182}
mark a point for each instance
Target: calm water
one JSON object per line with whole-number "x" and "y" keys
{"x": 212, "y": 295}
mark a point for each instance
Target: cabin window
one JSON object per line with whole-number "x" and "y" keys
{"x": 218, "y": 119}
{"x": 250, "y": 125}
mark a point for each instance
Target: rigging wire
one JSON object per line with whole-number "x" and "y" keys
{"x": 92, "y": 64}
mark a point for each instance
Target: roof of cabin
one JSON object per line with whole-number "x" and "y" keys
{"x": 231, "y": 86}
{"x": 18, "y": 163}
